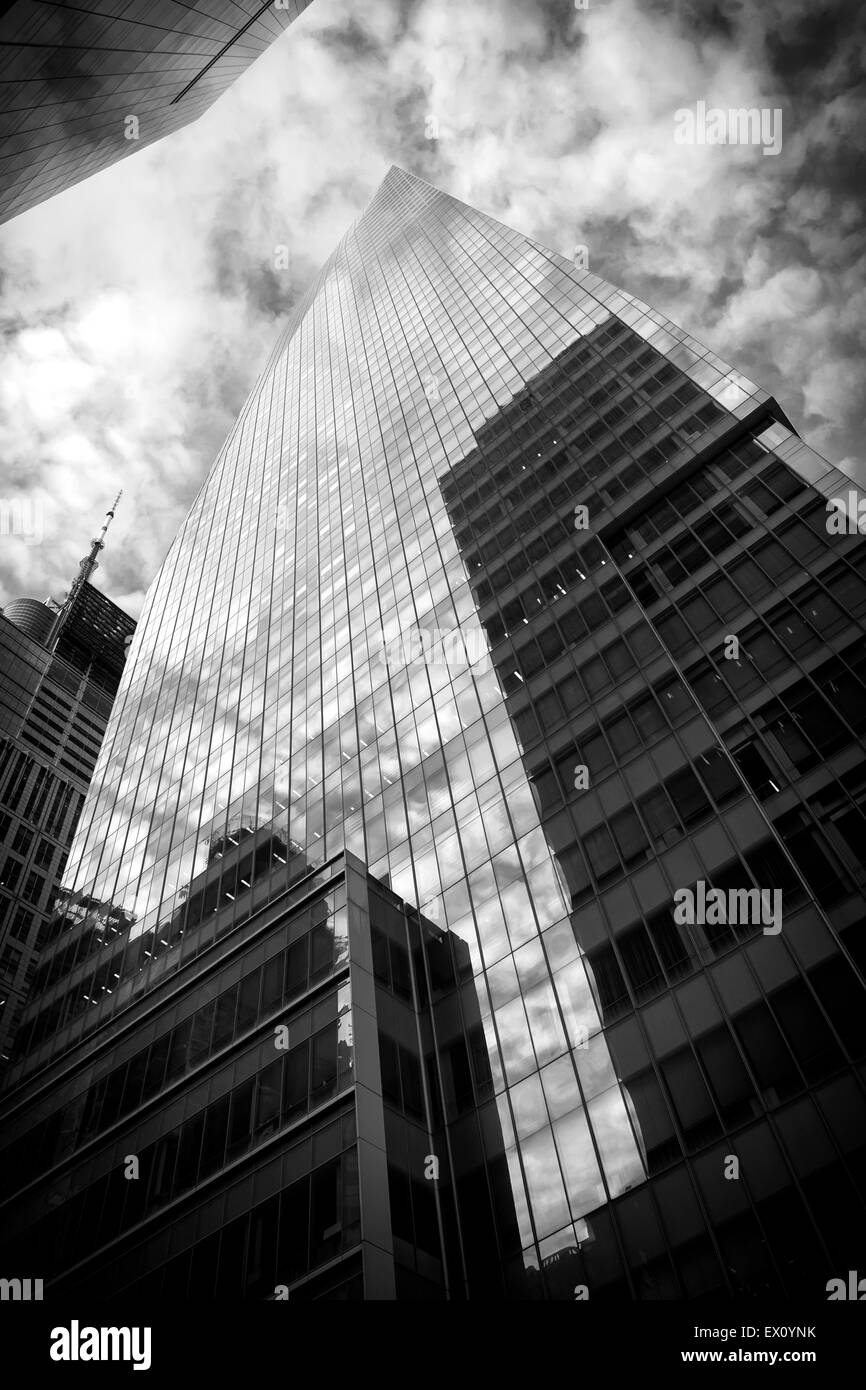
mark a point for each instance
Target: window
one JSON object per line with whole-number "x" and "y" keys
{"x": 135, "y": 1074}
{"x": 621, "y": 735}
{"x": 618, "y": 659}
{"x": 654, "y": 1119}
{"x": 612, "y": 993}
{"x": 240, "y": 1123}
{"x": 593, "y": 612}
{"x": 156, "y": 1061}
{"x": 296, "y": 968}
{"x": 162, "y": 1169}
{"x": 410, "y": 1073}
{"x": 640, "y": 962}
{"x": 806, "y": 1030}
{"x": 231, "y": 1259}
{"x": 647, "y": 716}
{"x": 200, "y": 1034}
{"x": 325, "y": 1223}
{"x": 10, "y": 959}
{"x": 379, "y": 944}
{"x": 699, "y": 615}
{"x": 796, "y": 635}
{"x": 594, "y": 676}
{"x": 572, "y": 627}
{"x": 788, "y": 740}
{"x": 551, "y": 644}
{"x": 32, "y": 887}
{"x": 10, "y": 874}
{"x": 784, "y": 482}
{"x": 691, "y": 1100}
{"x": 822, "y": 870}
{"x": 660, "y": 819}
{"x": 819, "y": 722}
{"x": 760, "y": 776}
{"x": 848, "y": 589}
{"x": 44, "y": 854}
{"x": 401, "y": 975}
{"x": 631, "y": 841}
{"x": 729, "y": 1081}
{"x": 716, "y": 772}
{"x": 643, "y": 586}
{"x": 667, "y": 563}
{"x": 749, "y": 578}
{"x": 775, "y": 560}
{"x": 672, "y": 950}
{"x": 547, "y": 790}
{"x": 764, "y": 501}
{"x": 674, "y": 632}
{"x": 20, "y": 924}
{"x": 549, "y": 710}
{"x": 692, "y": 554}
{"x": 765, "y": 652}
{"x": 643, "y": 642}
{"x": 177, "y": 1054}
{"x": 292, "y": 1251}
{"x": 742, "y": 676}
{"x": 262, "y": 1249}
{"x": 600, "y": 852}
{"x": 214, "y": 1139}
{"x": 724, "y": 597}
{"x": 321, "y": 951}
{"x": 674, "y": 699}
{"x": 224, "y": 1021}
{"x": 687, "y": 796}
{"x": 23, "y": 840}
{"x": 615, "y": 595}
{"x": 596, "y": 754}
{"x": 527, "y": 727}
{"x": 296, "y": 1081}
{"x": 714, "y": 536}
{"x": 839, "y": 991}
{"x": 529, "y": 659}
{"x": 570, "y": 692}
{"x": 575, "y": 870}
{"x": 248, "y": 1001}
{"x": 323, "y": 1055}
{"x": 802, "y": 541}
{"x": 822, "y": 612}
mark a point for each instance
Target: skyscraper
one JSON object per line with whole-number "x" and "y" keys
{"x": 506, "y": 594}
{"x": 81, "y": 87}
{"x": 59, "y": 669}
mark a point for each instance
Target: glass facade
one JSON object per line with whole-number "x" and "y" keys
{"x": 84, "y": 86}
{"x": 507, "y": 586}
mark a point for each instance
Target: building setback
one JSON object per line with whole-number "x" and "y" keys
{"x": 84, "y": 86}
{"x": 348, "y": 917}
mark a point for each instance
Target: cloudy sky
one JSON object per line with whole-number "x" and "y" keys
{"x": 138, "y": 307}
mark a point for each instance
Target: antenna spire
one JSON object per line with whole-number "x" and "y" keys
{"x": 88, "y": 564}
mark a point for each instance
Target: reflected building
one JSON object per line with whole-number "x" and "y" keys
{"x": 59, "y": 669}
{"x": 84, "y": 86}
{"x": 507, "y": 594}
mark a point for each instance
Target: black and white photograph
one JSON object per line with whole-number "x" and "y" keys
{"x": 432, "y": 678}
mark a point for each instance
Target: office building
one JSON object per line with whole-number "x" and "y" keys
{"x": 511, "y": 609}
{"x": 59, "y": 669}
{"x": 84, "y": 86}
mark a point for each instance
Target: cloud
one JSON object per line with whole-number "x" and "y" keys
{"x": 139, "y": 306}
